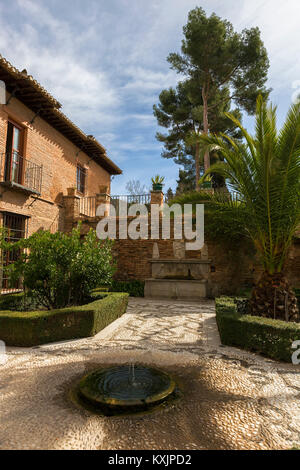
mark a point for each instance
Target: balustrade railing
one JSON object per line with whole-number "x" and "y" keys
{"x": 87, "y": 204}
{"x": 17, "y": 170}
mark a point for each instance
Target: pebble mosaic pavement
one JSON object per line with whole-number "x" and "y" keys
{"x": 231, "y": 399}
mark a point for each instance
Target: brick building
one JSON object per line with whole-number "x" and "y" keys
{"x": 44, "y": 159}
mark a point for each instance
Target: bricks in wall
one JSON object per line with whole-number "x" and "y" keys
{"x": 59, "y": 157}
{"x": 231, "y": 267}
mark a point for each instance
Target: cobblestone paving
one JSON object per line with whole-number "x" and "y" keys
{"x": 231, "y": 399}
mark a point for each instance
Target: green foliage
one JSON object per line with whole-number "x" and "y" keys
{"x": 18, "y": 302}
{"x": 186, "y": 179}
{"x": 169, "y": 195}
{"x": 216, "y": 56}
{"x": 41, "y": 327}
{"x": 222, "y": 225}
{"x": 11, "y": 301}
{"x": 60, "y": 270}
{"x": 221, "y": 68}
{"x": 244, "y": 292}
{"x": 223, "y": 221}
{"x": 192, "y": 197}
{"x": 178, "y": 111}
{"x": 265, "y": 173}
{"x": 158, "y": 179}
{"x": 272, "y": 338}
{"x": 134, "y": 288}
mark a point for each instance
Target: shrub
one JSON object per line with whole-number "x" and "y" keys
{"x": 221, "y": 222}
{"x": 59, "y": 269}
{"x": 18, "y": 302}
{"x": 273, "y": 338}
{"x": 193, "y": 197}
{"x": 134, "y": 288}
{"x": 40, "y": 327}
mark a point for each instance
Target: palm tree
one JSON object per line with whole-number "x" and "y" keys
{"x": 264, "y": 170}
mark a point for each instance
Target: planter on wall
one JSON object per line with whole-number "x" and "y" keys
{"x": 157, "y": 187}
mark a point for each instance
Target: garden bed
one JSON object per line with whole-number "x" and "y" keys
{"x": 272, "y": 338}
{"x": 27, "y": 329}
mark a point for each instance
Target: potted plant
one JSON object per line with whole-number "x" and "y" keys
{"x": 207, "y": 184}
{"x": 157, "y": 183}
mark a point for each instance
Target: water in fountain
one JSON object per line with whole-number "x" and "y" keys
{"x": 126, "y": 386}
{"x": 132, "y": 375}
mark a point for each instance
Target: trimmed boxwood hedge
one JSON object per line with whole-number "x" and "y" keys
{"x": 272, "y": 338}
{"x": 27, "y": 329}
{"x": 134, "y": 288}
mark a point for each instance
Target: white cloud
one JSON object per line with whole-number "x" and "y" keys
{"x": 85, "y": 92}
{"x": 279, "y": 25}
{"x": 106, "y": 61}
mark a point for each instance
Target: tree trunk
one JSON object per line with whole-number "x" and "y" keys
{"x": 272, "y": 297}
{"x": 197, "y": 166}
{"x": 205, "y": 127}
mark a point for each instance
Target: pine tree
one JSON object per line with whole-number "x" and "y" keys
{"x": 220, "y": 68}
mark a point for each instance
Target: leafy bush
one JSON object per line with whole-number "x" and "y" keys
{"x": 242, "y": 306}
{"x": 18, "y": 302}
{"x": 58, "y": 270}
{"x": 40, "y": 327}
{"x": 193, "y": 197}
{"x": 134, "y": 288}
{"x": 221, "y": 220}
{"x": 273, "y": 338}
{"x": 222, "y": 225}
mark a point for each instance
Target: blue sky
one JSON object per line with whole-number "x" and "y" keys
{"x": 105, "y": 61}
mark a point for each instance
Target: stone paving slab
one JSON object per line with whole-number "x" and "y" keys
{"x": 231, "y": 399}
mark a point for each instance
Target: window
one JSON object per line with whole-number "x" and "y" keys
{"x": 14, "y": 160}
{"x": 16, "y": 226}
{"x": 81, "y": 179}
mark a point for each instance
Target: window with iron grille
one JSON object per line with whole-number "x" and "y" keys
{"x": 16, "y": 228}
{"x": 81, "y": 179}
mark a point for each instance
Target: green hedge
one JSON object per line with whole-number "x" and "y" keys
{"x": 17, "y": 302}
{"x": 272, "y": 338}
{"x": 34, "y": 328}
{"x": 134, "y": 288}
{"x": 11, "y": 301}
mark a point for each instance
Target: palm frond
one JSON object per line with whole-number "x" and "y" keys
{"x": 265, "y": 171}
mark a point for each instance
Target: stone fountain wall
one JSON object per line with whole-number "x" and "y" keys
{"x": 178, "y": 278}
{"x": 231, "y": 267}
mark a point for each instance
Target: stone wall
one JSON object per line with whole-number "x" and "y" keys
{"x": 232, "y": 267}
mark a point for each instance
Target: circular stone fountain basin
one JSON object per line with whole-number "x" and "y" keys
{"x": 126, "y": 386}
